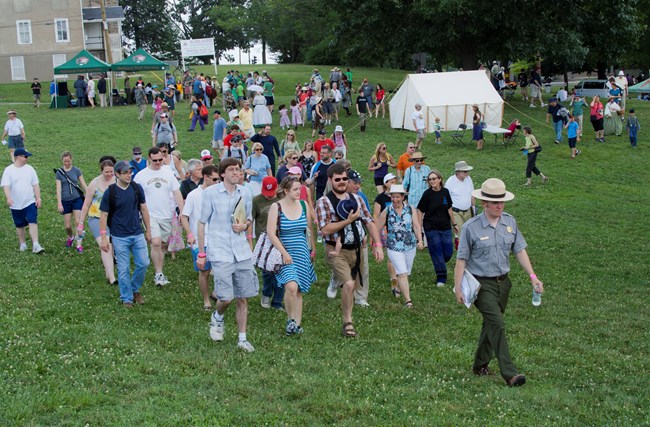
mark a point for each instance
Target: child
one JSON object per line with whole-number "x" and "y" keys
{"x": 157, "y": 104}
{"x": 530, "y": 148}
{"x": 573, "y": 130}
{"x": 437, "y": 127}
{"x": 632, "y": 126}
{"x": 296, "y": 115}
{"x": 284, "y": 117}
{"x": 578, "y": 104}
{"x": 337, "y": 247}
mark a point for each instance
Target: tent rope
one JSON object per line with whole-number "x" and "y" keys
{"x": 526, "y": 115}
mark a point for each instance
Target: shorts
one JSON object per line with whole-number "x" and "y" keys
{"x": 421, "y": 133}
{"x": 342, "y": 264}
{"x": 335, "y": 106}
{"x": 218, "y": 143}
{"x": 25, "y": 216}
{"x": 235, "y": 279}
{"x": 269, "y": 100}
{"x": 195, "y": 255}
{"x": 37, "y": 96}
{"x": 93, "y": 225}
{"x": 437, "y": 134}
{"x": 598, "y": 124}
{"x": 72, "y": 205}
{"x": 402, "y": 261}
{"x": 535, "y": 91}
{"x": 328, "y": 108}
{"x": 15, "y": 141}
{"x": 572, "y": 142}
{"x": 379, "y": 180}
{"x": 91, "y": 94}
{"x": 160, "y": 228}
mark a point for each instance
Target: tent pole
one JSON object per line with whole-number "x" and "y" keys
{"x": 446, "y": 115}
{"x": 428, "y": 128}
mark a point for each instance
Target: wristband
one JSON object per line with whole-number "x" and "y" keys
{"x": 201, "y": 255}
{"x": 80, "y": 227}
{"x": 455, "y": 225}
{"x": 190, "y": 236}
{"x": 249, "y": 236}
{"x": 533, "y": 276}
{"x": 313, "y": 253}
{"x": 102, "y": 232}
{"x": 377, "y": 245}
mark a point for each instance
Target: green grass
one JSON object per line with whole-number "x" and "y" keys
{"x": 70, "y": 355}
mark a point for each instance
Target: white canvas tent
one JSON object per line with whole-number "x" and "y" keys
{"x": 449, "y": 96}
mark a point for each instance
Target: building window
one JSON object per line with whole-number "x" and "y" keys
{"x": 24, "y": 29}
{"x": 61, "y": 29}
{"x": 17, "y": 68}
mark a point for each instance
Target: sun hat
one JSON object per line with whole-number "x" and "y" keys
{"x": 397, "y": 189}
{"x": 354, "y": 176}
{"x": 205, "y": 154}
{"x": 345, "y": 207}
{"x": 388, "y": 177}
{"x": 11, "y": 112}
{"x": 621, "y": 73}
{"x": 269, "y": 186}
{"x": 21, "y": 152}
{"x": 294, "y": 170}
{"x": 493, "y": 190}
{"x": 462, "y": 166}
{"x": 474, "y": 105}
{"x": 122, "y": 166}
{"x": 338, "y": 128}
{"x": 416, "y": 156}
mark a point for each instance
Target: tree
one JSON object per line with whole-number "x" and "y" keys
{"x": 147, "y": 24}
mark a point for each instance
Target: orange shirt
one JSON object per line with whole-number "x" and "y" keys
{"x": 404, "y": 163}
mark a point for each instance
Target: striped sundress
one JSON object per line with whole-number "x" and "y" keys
{"x": 293, "y": 238}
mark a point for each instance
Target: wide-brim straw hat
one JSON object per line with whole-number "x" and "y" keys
{"x": 493, "y": 190}
{"x": 417, "y": 156}
{"x": 462, "y": 166}
{"x": 397, "y": 189}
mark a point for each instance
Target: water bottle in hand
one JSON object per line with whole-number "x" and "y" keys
{"x": 537, "y": 297}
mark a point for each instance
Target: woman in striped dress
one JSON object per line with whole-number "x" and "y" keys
{"x": 297, "y": 274}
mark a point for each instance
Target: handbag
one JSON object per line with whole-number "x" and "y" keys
{"x": 538, "y": 148}
{"x": 265, "y": 255}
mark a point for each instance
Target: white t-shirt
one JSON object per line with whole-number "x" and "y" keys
{"x": 621, "y": 82}
{"x": 192, "y": 210}
{"x": 21, "y": 181}
{"x": 611, "y": 109}
{"x": 157, "y": 185}
{"x": 460, "y": 191}
{"x": 419, "y": 119}
{"x": 13, "y": 127}
{"x": 562, "y": 95}
{"x": 91, "y": 86}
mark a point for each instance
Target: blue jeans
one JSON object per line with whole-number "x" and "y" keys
{"x": 123, "y": 248}
{"x": 558, "y": 130}
{"x": 440, "y": 249}
{"x": 270, "y": 289}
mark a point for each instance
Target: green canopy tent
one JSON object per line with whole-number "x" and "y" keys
{"x": 84, "y": 62}
{"x": 140, "y": 60}
{"x": 643, "y": 87}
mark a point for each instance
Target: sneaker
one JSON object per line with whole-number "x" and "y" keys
{"x": 532, "y": 105}
{"x": 291, "y": 327}
{"x": 545, "y": 179}
{"x": 37, "y": 248}
{"x": 160, "y": 280}
{"x": 362, "y": 303}
{"x": 516, "y": 381}
{"x": 80, "y": 249}
{"x": 543, "y": 105}
{"x": 266, "y": 301}
{"x": 216, "y": 328}
{"x": 69, "y": 242}
{"x": 299, "y": 330}
{"x": 440, "y": 284}
{"x": 23, "y": 247}
{"x": 557, "y": 141}
{"x": 578, "y": 152}
{"x": 332, "y": 289}
{"x": 246, "y": 346}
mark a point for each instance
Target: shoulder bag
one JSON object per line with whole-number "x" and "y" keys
{"x": 265, "y": 255}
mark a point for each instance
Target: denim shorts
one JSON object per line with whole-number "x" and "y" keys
{"x": 72, "y": 205}
{"x": 25, "y": 216}
{"x": 235, "y": 280}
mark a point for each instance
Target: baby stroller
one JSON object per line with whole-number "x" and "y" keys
{"x": 508, "y": 91}
{"x": 117, "y": 99}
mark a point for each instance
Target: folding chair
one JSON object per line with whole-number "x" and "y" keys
{"x": 512, "y": 139}
{"x": 457, "y": 137}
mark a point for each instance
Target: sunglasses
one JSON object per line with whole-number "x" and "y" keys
{"x": 434, "y": 178}
{"x": 156, "y": 160}
{"x": 345, "y": 178}
{"x": 294, "y": 158}
{"x": 258, "y": 149}
{"x": 164, "y": 151}
{"x": 418, "y": 161}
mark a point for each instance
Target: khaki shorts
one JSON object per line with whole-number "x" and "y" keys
{"x": 235, "y": 280}
{"x": 421, "y": 134}
{"x": 160, "y": 228}
{"x": 342, "y": 265}
{"x": 217, "y": 144}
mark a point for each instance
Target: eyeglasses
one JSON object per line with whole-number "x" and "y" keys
{"x": 258, "y": 149}
{"x": 156, "y": 160}
{"x": 294, "y": 158}
{"x": 214, "y": 178}
{"x": 124, "y": 173}
{"x": 345, "y": 178}
{"x": 417, "y": 160}
{"x": 293, "y": 178}
{"x": 164, "y": 151}
{"x": 382, "y": 148}
{"x": 434, "y": 178}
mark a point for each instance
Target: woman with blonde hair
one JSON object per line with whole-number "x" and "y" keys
{"x": 289, "y": 143}
{"x": 379, "y": 163}
{"x": 257, "y": 166}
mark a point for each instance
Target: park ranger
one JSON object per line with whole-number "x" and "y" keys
{"x": 484, "y": 250}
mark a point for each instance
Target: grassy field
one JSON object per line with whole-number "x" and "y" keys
{"x": 70, "y": 355}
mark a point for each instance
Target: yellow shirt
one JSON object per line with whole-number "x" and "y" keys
{"x": 246, "y": 118}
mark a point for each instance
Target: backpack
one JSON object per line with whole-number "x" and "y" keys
{"x": 208, "y": 90}
{"x": 351, "y": 237}
{"x": 500, "y": 76}
{"x": 112, "y": 197}
{"x": 203, "y": 111}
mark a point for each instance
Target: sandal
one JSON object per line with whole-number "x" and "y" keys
{"x": 349, "y": 332}
{"x": 396, "y": 292}
{"x": 207, "y": 307}
{"x": 408, "y": 304}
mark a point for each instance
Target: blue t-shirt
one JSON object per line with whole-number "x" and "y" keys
{"x": 259, "y": 165}
{"x": 572, "y": 130}
{"x": 198, "y": 87}
{"x": 125, "y": 221}
{"x": 219, "y": 126}
{"x": 137, "y": 166}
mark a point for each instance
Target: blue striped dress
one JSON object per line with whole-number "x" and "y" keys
{"x": 294, "y": 240}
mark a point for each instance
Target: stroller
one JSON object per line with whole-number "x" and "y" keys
{"x": 508, "y": 91}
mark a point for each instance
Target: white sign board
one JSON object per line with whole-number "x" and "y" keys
{"x": 197, "y": 47}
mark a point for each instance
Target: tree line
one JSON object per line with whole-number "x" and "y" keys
{"x": 566, "y": 36}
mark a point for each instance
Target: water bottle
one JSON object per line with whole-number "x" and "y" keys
{"x": 537, "y": 299}
{"x": 319, "y": 239}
